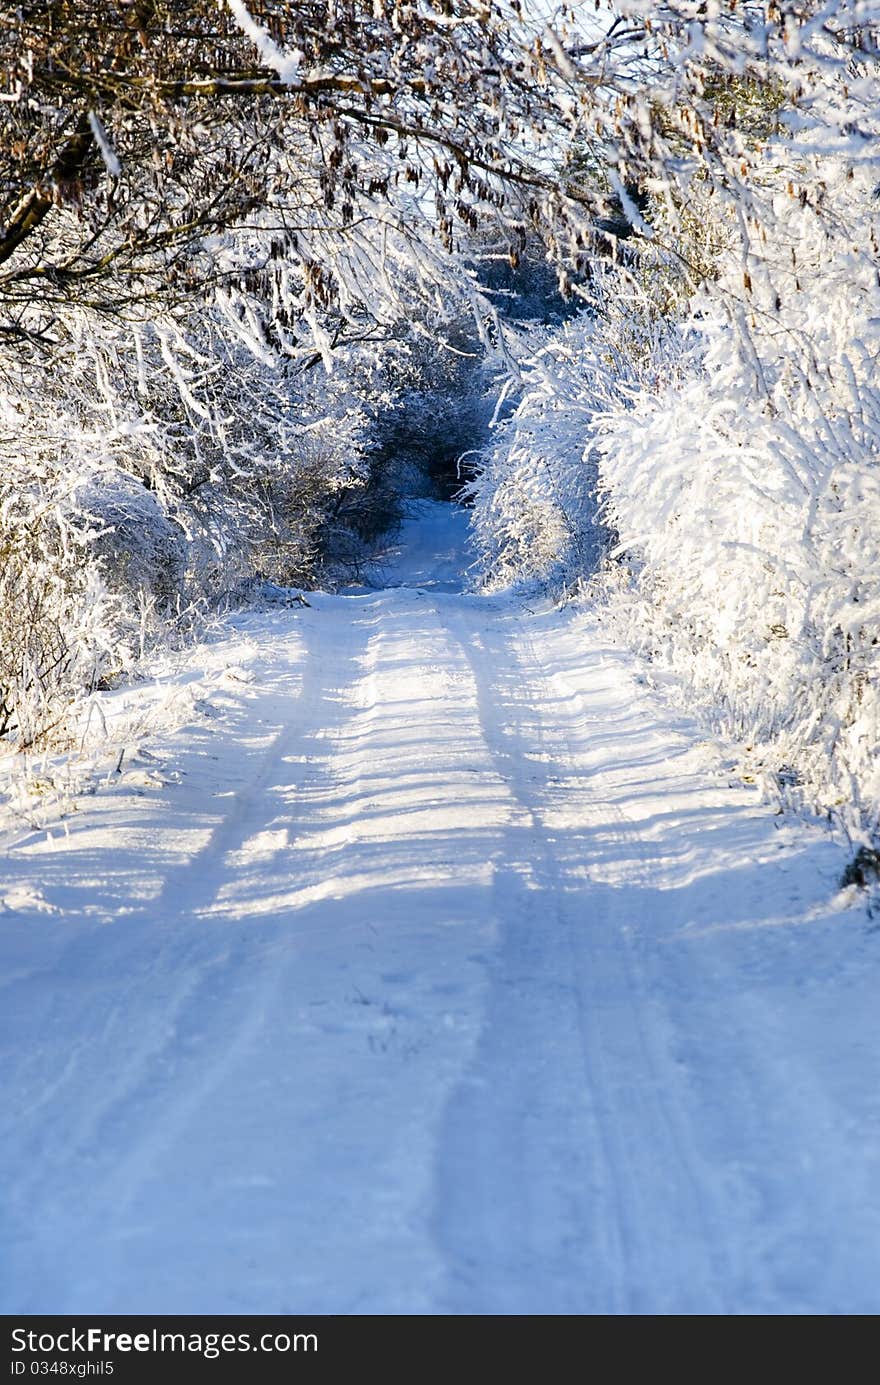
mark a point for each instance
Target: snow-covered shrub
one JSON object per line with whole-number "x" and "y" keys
{"x": 733, "y": 408}
{"x": 534, "y": 495}
{"x": 139, "y": 550}
{"x": 746, "y": 497}
{"x": 536, "y": 516}
{"x": 155, "y": 468}
{"x": 58, "y": 620}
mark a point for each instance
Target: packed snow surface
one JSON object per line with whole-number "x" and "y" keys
{"x": 433, "y": 965}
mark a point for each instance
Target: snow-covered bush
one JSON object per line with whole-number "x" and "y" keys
{"x": 746, "y": 497}
{"x": 155, "y": 468}
{"x": 536, "y": 514}
{"x": 57, "y": 617}
{"x": 534, "y": 496}
{"x": 724, "y": 381}
{"x": 139, "y": 551}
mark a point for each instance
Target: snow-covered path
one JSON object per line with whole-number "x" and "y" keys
{"x": 440, "y": 969}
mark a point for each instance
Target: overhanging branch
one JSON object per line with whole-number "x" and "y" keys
{"x": 39, "y": 200}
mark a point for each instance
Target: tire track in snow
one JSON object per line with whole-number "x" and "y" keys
{"x": 693, "y": 1264}
{"x": 129, "y": 1109}
{"x": 608, "y": 1251}
{"x": 730, "y": 1177}
{"x": 524, "y": 1174}
{"x": 217, "y": 996}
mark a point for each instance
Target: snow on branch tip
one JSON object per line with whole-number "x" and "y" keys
{"x": 286, "y": 65}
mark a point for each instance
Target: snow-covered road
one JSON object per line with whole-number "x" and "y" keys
{"x": 433, "y": 966}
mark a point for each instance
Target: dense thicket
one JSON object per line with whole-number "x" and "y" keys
{"x": 720, "y": 400}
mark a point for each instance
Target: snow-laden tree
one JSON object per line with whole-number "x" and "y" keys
{"x": 132, "y": 132}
